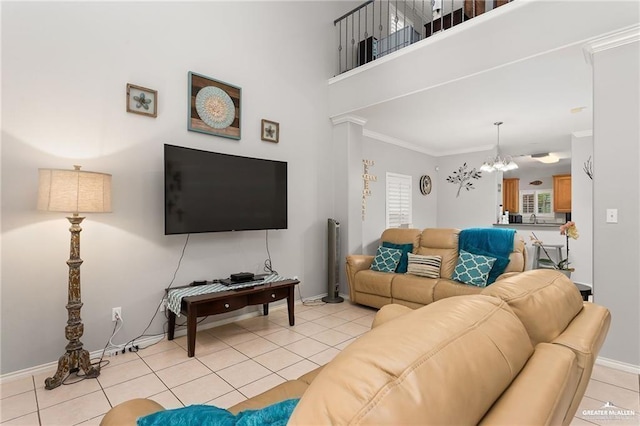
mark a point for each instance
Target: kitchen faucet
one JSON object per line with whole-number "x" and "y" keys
{"x": 533, "y": 219}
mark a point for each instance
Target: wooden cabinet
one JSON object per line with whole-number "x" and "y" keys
{"x": 511, "y": 195}
{"x": 562, "y": 193}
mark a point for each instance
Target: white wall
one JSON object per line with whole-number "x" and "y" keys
{"x": 391, "y": 158}
{"x": 64, "y": 71}
{"x": 473, "y": 208}
{"x": 582, "y": 210}
{"x": 616, "y": 185}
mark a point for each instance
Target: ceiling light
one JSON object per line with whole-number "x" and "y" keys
{"x": 546, "y": 158}
{"x": 498, "y": 163}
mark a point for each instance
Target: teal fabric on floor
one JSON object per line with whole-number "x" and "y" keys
{"x": 207, "y": 415}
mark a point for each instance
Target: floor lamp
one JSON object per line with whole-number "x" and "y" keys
{"x": 74, "y": 191}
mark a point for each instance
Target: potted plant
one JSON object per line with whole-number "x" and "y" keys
{"x": 569, "y": 230}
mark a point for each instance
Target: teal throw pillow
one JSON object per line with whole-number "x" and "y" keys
{"x": 404, "y": 260}
{"x": 498, "y": 267}
{"x": 208, "y": 415}
{"x": 386, "y": 259}
{"x": 473, "y": 269}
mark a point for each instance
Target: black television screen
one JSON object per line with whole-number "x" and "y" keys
{"x": 211, "y": 192}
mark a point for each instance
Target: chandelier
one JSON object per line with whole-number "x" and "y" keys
{"x": 498, "y": 163}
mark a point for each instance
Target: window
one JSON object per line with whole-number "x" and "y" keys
{"x": 397, "y": 20}
{"x": 398, "y": 200}
{"x": 538, "y": 202}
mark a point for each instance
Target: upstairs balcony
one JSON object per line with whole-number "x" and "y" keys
{"x": 377, "y": 28}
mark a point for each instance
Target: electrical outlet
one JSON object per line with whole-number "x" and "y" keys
{"x": 116, "y": 313}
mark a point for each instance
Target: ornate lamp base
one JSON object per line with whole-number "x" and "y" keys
{"x": 76, "y": 358}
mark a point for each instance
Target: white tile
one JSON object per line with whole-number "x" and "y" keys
{"x": 120, "y": 358}
{"x": 223, "y": 359}
{"x": 140, "y": 387}
{"x": 161, "y": 346}
{"x": 331, "y": 337}
{"x": 92, "y": 422}
{"x": 47, "y": 398}
{"x": 309, "y": 328}
{"x": 620, "y": 397}
{"x": 76, "y": 411}
{"x": 278, "y": 359}
{"x": 14, "y": 387}
{"x": 166, "y": 358}
{"x": 227, "y": 400}
{"x": 284, "y": 321}
{"x": 284, "y": 337}
{"x": 351, "y": 314}
{"x": 306, "y": 347}
{"x": 28, "y": 420}
{"x": 167, "y": 399}
{"x": 615, "y": 377}
{"x": 17, "y": 405}
{"x": 322, "y": 358}
{"x": 205, "y": 343}
{"x": 123, "y": 372}
{"x": 352, "y": 329}
{"x": 344, "y": 344}
{"x": 366, "y": 320}
{"x": 311, "y": 315}
{"x": 255, "y": 347}
{"x": 182, "y": 373}
{"x": 201, "y": 390}
{"x": 241, "y": 374}
{"x": 330, "y": 321}
{"x": 261, "y": 385}
{"x": 298, "y": 369}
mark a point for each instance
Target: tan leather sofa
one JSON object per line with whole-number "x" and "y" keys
{"x": 376, "y": 289}
{"x": 521, "y": 352}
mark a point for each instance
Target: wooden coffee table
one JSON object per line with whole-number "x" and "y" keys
{"x": 227, "y": 301}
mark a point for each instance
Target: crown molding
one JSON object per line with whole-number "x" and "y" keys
{"x": 348, "y": 118}
{"x": 610, "y": 41}
{"x": 395, "y": 141}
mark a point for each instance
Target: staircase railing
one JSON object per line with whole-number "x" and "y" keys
{"x": 379, "y": 27}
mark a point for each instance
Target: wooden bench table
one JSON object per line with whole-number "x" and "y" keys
{"x": 230, "y": 300}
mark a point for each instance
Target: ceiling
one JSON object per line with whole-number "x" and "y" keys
{"x": 541, "y": 101}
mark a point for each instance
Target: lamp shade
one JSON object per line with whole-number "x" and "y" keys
{"x": 74, "y": 191}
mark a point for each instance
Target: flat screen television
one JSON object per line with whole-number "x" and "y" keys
{"x": 212, "y": 192}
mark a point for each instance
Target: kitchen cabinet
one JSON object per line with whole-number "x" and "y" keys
{"x": 510, "y": 195}
{"x": 562, "y": 193}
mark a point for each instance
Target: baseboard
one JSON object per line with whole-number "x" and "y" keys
{"x": 618, "y": 365}
{"x": 148, "y": 341}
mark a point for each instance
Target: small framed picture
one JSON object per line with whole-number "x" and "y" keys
{"x": 270, "y": 131}
{"x": 141, "y": 100}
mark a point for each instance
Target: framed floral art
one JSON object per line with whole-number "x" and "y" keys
{"x": 214, "y": 107}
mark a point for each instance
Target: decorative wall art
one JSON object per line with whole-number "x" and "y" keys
{"x": 141, "y": 100}
{"x": 214, "y": 107}
{"x": 366, "y": 178}
{"x": 425, "y": 185}
{"x": 588, "y": 168}
{"x": 463, "y": 176}
{"x": 270, "y": 131}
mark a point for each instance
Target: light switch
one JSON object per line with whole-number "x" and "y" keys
{"x": 612, "y": 215}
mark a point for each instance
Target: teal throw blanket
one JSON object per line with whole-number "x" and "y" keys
{"x": 207, "y": 415}
{"x": 492, "y": 240}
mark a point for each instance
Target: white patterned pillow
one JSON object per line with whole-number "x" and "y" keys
{"x": 424, "y": 266}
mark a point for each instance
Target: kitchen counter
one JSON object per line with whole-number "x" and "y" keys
{"x": 527, "y": 225}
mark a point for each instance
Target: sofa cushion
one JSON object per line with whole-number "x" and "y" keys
{"x": 374, "y": 282}
{"x": 413, "y": 288}
{"x": 424, "y": 266}
{"x": 473, "y": 269}
{"x": 386, "y": 259}
{"x": 545, "y": 300}
{"x": 441, "y": 242}
{"x": 417, "y": 369}
{"x": 406, "y": 249}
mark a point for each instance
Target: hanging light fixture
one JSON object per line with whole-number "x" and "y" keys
{"x": 498, "y": 163}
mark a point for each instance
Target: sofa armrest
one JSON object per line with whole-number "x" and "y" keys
{"x": 507, "y": 275}
{"x": 388, "y": 313}
{"x": 355, "y": 263}
{"x": 127, "y": 413}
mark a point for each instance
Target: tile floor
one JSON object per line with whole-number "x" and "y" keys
{"x": 237, "y": 361}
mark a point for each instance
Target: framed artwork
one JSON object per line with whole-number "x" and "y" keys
{"x": 270, "y": 131}
{"x": 214, "y": 107}
{"x": 141, "y": 100}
